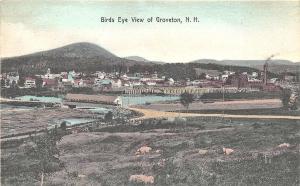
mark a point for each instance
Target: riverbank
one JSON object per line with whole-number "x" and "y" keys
{"x": 29, "y": 103}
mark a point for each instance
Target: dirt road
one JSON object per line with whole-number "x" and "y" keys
{"x": 148, "y": 114}
{"x": 226, "y": 105}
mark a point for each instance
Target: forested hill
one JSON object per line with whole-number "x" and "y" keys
{"x": 77, "y": 56}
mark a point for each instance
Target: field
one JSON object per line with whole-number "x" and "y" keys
{"x": 21, "y": 120}
{"x": 184, "y": 152}
{"x": 17, "y": 121}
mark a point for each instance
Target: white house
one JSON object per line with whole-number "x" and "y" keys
{"x": 195, "y": 82}
{"x": 273, "y": 80}
{"x": 118, "y": 101}
{"x": 171, "y": 81}
{"x": 124, "y": 77}
{"x": 136, "y": 83}
{"x": 211, "y": 77}
{"x": 13, "y": 77}
{"x": 117, "y": 83}
{"x": 100, "y": 75}
{"x": 224, "y": 77}
{"x": 229, "y": 72}
{"x": 254, "y": 74}
{"x": 151, "y": 83}
{"x": 48, "y": 75}
{"x": 29, "y": 83}
{"x": 78, "y": 83}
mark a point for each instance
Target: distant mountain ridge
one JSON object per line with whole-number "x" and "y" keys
{"x": 136, "y": 58}
{"x": 86, "y": 56}
{"x": 275, "y": 65}
{"x": 247, "y": 63}
{"x": 141, "y": 59}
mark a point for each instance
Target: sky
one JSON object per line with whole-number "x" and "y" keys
{"x": 226, "y": 30}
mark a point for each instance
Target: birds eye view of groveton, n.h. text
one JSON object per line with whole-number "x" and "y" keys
{"x": 141, "y": 92}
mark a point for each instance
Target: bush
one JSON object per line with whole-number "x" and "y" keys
{"x": 108, "y": 116}
{"x": 285, "y": 97}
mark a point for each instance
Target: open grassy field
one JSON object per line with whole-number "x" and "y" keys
{"x": 15, "y": 121}
{"x": 184, "y": 152}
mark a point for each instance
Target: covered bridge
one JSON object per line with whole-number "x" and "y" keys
{"x": 105, "y": 99}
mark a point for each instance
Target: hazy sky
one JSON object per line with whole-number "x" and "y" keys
{"x": 227, "y": 30}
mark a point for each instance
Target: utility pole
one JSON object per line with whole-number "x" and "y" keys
{"x": 223, "y": 89}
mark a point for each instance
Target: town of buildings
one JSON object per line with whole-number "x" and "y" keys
{"x": 139, "y": 83}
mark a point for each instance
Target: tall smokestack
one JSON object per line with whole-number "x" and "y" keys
{"x": 265, "y": 72}
{"x": 266, "y": 68}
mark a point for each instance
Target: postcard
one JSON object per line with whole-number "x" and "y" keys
{"x": 150, "y": 92}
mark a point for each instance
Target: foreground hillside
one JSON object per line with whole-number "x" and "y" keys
{"x": 183, "y": 153}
